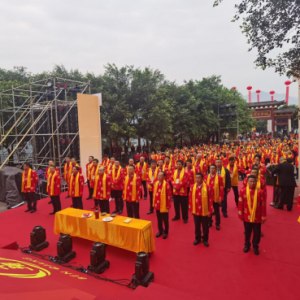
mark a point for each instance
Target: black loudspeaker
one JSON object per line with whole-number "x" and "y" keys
{"x": 38, "y": 239}
{"x": 142, "y": 275}
{"x": 64, "y": 248}
{"x": 98, "y": 254}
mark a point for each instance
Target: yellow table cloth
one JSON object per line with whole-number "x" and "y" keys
{"x": 135, "y": 236}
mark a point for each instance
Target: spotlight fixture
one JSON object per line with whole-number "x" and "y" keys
{"x": 58, "y": 85}
{"x": 98, "y": 254}
{"x": 38, "y": 239}
{"x": 65, "y": 86}
{"x": 64, "y": 248}
{"x": 49, "y": 83}
{"x": 142, "y": 274}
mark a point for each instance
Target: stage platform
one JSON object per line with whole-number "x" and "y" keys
{"x": 181, "y": 269}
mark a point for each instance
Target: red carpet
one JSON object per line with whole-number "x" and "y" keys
{"x": 181, "y": 269}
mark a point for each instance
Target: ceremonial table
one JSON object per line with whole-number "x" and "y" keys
{"x": 135, "y": 236}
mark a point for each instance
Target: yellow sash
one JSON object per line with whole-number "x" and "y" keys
{"x": 253, "y": 209}
{"x": 96, "y": 185}
{"x": 133, "y": 187}
{"x": 150, "y": 174}
{"x": 89, "y": 170}
{"x": 66, "y": 170}
{"x": 180, "y": 179}
{"x": 235, "y": 175}
{"x": 169, "y": 167}
{"x": 223, "y": 175}
{"x": 51, "y": 183}
{"x": 194, "y": 171}
{"x": 163, "y": 197}
{"x": 113, "y": 173}
{"x": 76, "y": 185}
{"x": 144, "y": 169}
{"x": 216, "y": 187}
{"x": 204, "y": 198}
{"x": 28, "y": 185}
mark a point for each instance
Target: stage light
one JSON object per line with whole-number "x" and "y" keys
{"x": 98, "y": 254}
{"x": 65, "y": 86}
{"x": 49, "y": 84}
{"x": 38, "y": 239}
{"x": 64, "y": 248}
{"x": 58, "y": 85}
{"x": 142, "y": 274}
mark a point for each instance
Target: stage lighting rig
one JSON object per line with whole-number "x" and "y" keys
{"x": 64, "y": 248}
{"x": 142, "y": 274}
{"x": 98, "y": 254}
{"x": 38, "y": 239}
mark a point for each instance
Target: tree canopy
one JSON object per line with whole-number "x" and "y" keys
{"x": 272, "y": 25}
{"x": 142, "y": 103}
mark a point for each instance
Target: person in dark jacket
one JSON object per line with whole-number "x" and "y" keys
{"x": 287, "y": 183}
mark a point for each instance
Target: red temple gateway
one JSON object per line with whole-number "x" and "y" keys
{"x": 277, "y": 118}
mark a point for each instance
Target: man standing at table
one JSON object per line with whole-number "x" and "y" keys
{"x": 67, "y": 171}
{"x": 234, "y": 176}
{"x": 132, "y": 193}
{"x": 117, "y": 186}
{"x": 215, "y": 184}
{"x": 141, "y": 170}
{"x": 76, "y": 187}
{"x": 225, "y": 174}
{"x": 252, "y": 211}
{"x": 201, "y": 206}
{"x": 29, "y": 183}
{"x": 88, "y": 171}
{"x": 151, "y": 178}
{"x": 102, "y": 190}
{"x": 179, "y": 183}
{"x": 162, "y": 198}
{"x": 54, "y": 189}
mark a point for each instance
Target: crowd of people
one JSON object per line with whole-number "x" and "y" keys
{"x": 196, "y": 180}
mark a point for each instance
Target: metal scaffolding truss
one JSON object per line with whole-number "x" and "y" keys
{"x": 38, "y": 122}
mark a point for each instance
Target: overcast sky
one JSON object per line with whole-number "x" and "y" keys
{"x": 184, "y": 39}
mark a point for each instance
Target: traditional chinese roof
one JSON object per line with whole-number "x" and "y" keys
{"x": 266, "y": 104}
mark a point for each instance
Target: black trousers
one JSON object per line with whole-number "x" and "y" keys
{"x": 181, "y": 201}
{"x": 77, "y": 202}
{"x": 133, "y": 209}
{"x": 30, "y": 199}
{"x": 204, "y": 221}
{"x": 256, "y": 228}
{"x": 56, "y": 203}
{"x": 216, "y": 213}
{"x": 224, "y": 202}
{"x": 104, "y": 205}
{"x": 287, "y": 196}
{"x": 151, "y": 200}
{"x": 236, "y": 194}
{"x": 162, "y": 218}
{"x": 119, "y": 203}
{"x": 91, "y": 190}
{"x": 144, "y": 183}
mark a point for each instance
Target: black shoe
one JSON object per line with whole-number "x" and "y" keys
{"x": 145, "y": 198}
{"x": 165, "y": 236}
{"x": 209, "y": 225}
{"x": 225, "y": 215}
{"x": 149, "y": 212}
{"x": 278, "y": 207}
{"x": 185, "y": 221}
{"x": 52, "y": 213}
{"x": 115, "y": 211}
{"x": 33, "y": 211}
{"x": 159, "y": 234}
{"x": 120, "y": 212}
{"x": 49, "y": 202}
{"x": 218, "y": 227}
{"x": 68, "y": 196}
{"x": 261, "y": 234}
{"x": 88, "y": 198}
{"x": 27, "y": 210}
{"x": 175, "y": 219}
{"x": 196, "y": 242}
{"x": 256, "y": 251}
{"x": 246, "y": 249}
{"x": 206, "y": 244}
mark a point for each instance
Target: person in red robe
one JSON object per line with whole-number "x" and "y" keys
{"x": 179, "y": 181}
{"x": 92, "y": 174}
{"x": 201, "y": 206}
{"x": 54, "y": 189}
{"x": 216, "y": 187}
{"x": 141, "y": 170}
{"x": 191, "y": 170}
{"x": 88, "y": 170}
{"x": 117, "y": 186}
{"x": 76, "y": 187}
{"x": 152, "y": 173}
{"x": 132, "y": 193}
{"x": 102, "y": 190}
{"x": 162, "y": 198}
{"x": 252, "y": 211}
{"x": 47, "y": 174}
{"x": 29, "y": 183}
